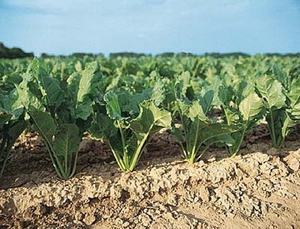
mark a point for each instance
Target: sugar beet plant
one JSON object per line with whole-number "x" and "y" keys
{"x": 243, "y": 108}
{"x": 12, "y": 124}
{"x": 127, "y": 122}
{"x": 196, "y": 132}
{"x": 281, "y": 99}
{"x": 60, "y": 110}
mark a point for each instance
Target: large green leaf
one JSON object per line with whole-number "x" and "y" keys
{"x": 27, "y": 94}
{"x": 294, "y": 97}
{"x": 217, "y": 133}
{"x": 159, "y": 92}
{"x": 271, "y": 91}
{"x": 113, "y": 106}
{"x": 191, "y": 110}
{"x": 103, "y": 127}
{"x": 226, "y": 95}
{"x": 150, "y": 119}
{"x": 251, "y": 107}
{"x": 281, "y": 76}
{"x": 130, "y": 102}
{"x": 242, "y": 90}
{"x": 10, "y": 103}
{"x": 91, "y": 76}
{"x": 207, "y": 99}
{"x": 73, "y": 82}
{"x": 83, "y": 89}
{"x": 280, "y": 101}
{"x": 122, "y": 104}
{"x": 52, "y": 92}
{"x": 43, "y": 124}
{"x": 67, "y": 140}
{"x": 48, "y": 86}
{"x": 183, "y": 87}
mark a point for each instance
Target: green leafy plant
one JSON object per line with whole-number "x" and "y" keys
{"x": 242, "y": 108}
{"x": 128, "y": 124}
{"x": 196, "y": 132}
{"x": 12, "y": 124}
{"x": 60, "y": 111}
{"x": 62, "y": 141}
{"x": 275, "y": 102}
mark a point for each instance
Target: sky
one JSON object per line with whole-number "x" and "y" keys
{"x": 151, "y": 26}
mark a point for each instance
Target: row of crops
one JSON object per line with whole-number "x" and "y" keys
{"x": 125, "y": 101}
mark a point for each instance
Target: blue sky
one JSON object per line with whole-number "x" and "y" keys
{"x": 151, "y": 26}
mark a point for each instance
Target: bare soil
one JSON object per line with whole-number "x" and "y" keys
{"x": 259, "y": 188}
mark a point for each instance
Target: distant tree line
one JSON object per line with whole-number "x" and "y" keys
{"x": 127, "y": 54}
{"x": 13, "y": 53}
{"x": 75, "y": 54}
{"x": 187, "y": 54}
{"x": 168, "y": 55}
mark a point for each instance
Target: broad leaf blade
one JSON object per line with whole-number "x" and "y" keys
{"x": 150, "y": 119}
{"x": 26, "y": 97}
{"x": 251, "y": 107}
{"x": 53, "y": 93}
{"x": 217, "y": 133}
{"x": 103, "y": 127}
{"x": 43, "y": 124}
{"x": 159, "y": 92}
{"x": 294, "y": 97}
{"x": 113, "y": 106}
{"x": 89, "y": 81}
{"x": 67, "y": 140}
{"x": 10, "y": 104}
{"x": 207, "y": 100}
{"x": 272, "y": 91}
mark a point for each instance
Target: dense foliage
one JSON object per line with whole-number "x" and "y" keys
{"x": 13, "y": 53}
{"x": 125, "y": 100}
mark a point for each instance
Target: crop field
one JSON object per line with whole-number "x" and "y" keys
{"x": 175, "y": 141}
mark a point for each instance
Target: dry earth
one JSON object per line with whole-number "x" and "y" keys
{"x": 260, "y": 188}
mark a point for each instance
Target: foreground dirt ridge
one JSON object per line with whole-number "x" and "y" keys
{"x": 257, "y": 190}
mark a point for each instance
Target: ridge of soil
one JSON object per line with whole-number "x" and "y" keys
{"x": 259, "y": 188}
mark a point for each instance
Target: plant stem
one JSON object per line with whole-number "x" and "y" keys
{"x": 125, "y": 150}
{"x": 137, "y": 152}
{"x": 271, "y": 124}
{"x": 193, "y": 153}
{"x": 237, "y": 147}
